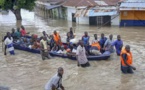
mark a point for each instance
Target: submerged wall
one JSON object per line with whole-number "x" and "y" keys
{"x": 132, "y": 18}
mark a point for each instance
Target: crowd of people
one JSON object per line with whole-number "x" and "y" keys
{"x": 81, "y": 48}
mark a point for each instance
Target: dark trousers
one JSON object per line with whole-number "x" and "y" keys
{"x": 85, "y": 65}
{"x": 126, "y": 69}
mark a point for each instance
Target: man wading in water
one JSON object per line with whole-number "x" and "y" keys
{"x": 44, "y": 48}
{"x": 81, "y": 55}
{"x": 126, "y": 60}
{"x": 55, "y": 83}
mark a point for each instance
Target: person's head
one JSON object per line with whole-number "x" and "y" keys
{"x": 55, "y": 32}
{"x": 127, "y": 48}
{"x": 60, "y": 71}
{"x": 102, "y": 35}
{"x": 86, "y": 33}
{"x": 44, "y": 33}
{"x": 23, "y": 27}
{"x": 8, "y": 34}
{"x": 110, "y": 36}
{"x": 81, "y": 43}
{"x": 95, "y": 36}
{"x": 13, "y": 30}
{"x": 18, "y": 29}
{"x": 71, "y": 29}
{"x": 118, "y": 37}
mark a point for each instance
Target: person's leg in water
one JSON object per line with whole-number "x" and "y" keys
{"x": 86, "y": 64}
{"x": 12, "y": 52}
{"x": 42, "y": 55}
{"x": 5, "y": 49}
{"x": 124, "y": 69}
{"x": 129, "y": 70}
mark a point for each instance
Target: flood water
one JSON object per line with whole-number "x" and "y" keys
{"x": 27, "y": 71}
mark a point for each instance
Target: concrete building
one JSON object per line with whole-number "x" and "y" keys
{"x": 93, "y": 12}
{"x": 132, "y": 13}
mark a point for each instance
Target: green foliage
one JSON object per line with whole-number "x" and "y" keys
{"x": 17, "y": 4}
{"x": 1, "y": 2}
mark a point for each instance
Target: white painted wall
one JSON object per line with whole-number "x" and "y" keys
{"x": 79, "y": 20}
{"x": 85, "y": 20}
{"x": 115, "y": 21}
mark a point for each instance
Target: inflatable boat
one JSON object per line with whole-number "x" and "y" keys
{"x": 104, "y": 56}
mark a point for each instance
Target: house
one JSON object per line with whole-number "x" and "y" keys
{"x": 74, "y": 5}
{"x": 52, "y": 8}
{"x": 132, "y": 13}
{"x": 93, "y": 12}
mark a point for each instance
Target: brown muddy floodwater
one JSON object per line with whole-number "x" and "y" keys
{"x": 26, "y": 71}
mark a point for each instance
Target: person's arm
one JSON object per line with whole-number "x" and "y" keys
{"x": 53, "y": 87}
{"x": 82, "y": 37}
{"x": 114, "y": 43}
{"x": 121, "y": 45}
{"x": 61, "y": 86}
{"x": 106, "y": 42}
{"x": 88, "y": 40}
{"x": 125, "y": 61}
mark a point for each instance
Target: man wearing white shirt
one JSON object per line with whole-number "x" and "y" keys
{"x": 55, "y": 83}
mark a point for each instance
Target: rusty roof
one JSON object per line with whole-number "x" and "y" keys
{"x": 107, "y": 2}
{"x": 79, "y": 3}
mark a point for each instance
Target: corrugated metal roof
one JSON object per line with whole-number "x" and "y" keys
{"x": 108, "y": 2}
{"x": 52, "y": 6}
{"x": 101, "y": 3}
{"x": 132, "y": 5}
{"x": 135, "y": 1}
{"x": 95, "y": 12}
{"x": 101, "y": 12}
{"x": 78, "y": 3}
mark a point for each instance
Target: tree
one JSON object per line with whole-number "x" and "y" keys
{"x": 16, "y": 5}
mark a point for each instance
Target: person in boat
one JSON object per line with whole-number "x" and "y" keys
{"x": 23, "y": 31}
{"x": 24, "y": 42}
{"x": 102, "y": 42}
{"x": 71, "y": 51}
{"x": 44, "y": 48}
{"x": 13, "y": 34}
{"x": 85, "y": 40}
{"x": 108, "y": 44}
{"x": 62, "y": 50}
{"x": 9, "y": 43}
{"x": 55, "y": 48}
{"x": 36, "y": 44}
{"x": 95, "y": 38}
{"x": 18, "y": 33}
{"x": 57, "y": 39}
{"x": 51, "y": 42}
{"x": 71, "y": 33}
{"x": 5, "y": 48}
{"x": 126, "y": 60}
{"x": 55, "y": 83}
{"x": 95, "y": 48}
{"x": 118, "y": 45}
{"x": 69, "y": 37}
{"x": 81, "y": 55}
